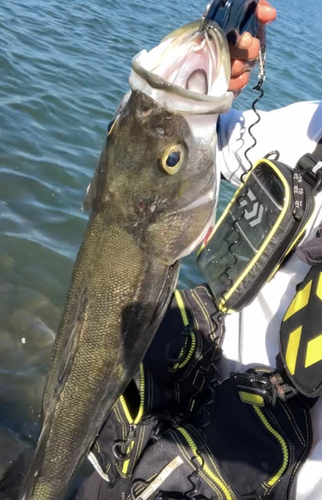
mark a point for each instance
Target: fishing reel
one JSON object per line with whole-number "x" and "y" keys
{"x": 235, "y": 17}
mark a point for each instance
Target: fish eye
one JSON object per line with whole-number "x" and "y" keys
{"x": 172, "y": 159}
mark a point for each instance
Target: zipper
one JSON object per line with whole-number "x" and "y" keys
{"x": 271, "y": 482}
{"x": 186, "y": 324}
{"x": 141, "y": 407}
{"x": 133, "y": 422}
{"x": 204, "y": 466}
{"x": 182, "y": 308}
{"x": 212, "y": 335}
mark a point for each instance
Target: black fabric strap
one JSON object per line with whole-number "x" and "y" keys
{"x": 307, "y": 163}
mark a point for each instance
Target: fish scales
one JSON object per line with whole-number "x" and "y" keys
{"x": 85, "y": 402}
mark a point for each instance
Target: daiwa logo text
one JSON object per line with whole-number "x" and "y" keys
{"x": 255, "y": 214}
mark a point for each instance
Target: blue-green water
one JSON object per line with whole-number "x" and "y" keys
{"x": 63, "y": 69}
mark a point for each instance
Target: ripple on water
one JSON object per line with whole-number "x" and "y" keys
{"x": 64, "y": 67}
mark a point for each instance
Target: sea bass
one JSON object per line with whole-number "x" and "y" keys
{"x": 152, "y": 200}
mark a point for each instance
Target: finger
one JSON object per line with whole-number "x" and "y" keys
{"x": 237, "y": 84}
{"x": 238, "y": 67}
{"x": 245, "y": 54}
{"x": 265, "y": 12}
{"x": 245, "y": 41}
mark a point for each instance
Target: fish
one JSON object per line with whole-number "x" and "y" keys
{"x": 151, "y": 202}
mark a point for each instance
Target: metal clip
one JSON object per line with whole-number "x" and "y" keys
{"x": 262, "y": 63}
{"x": 117, "y": 446}
{"x": 186, "y": 333}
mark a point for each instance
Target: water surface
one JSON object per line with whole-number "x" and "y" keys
{"x": 64, "y": 67}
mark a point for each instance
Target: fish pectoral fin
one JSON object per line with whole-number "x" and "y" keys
{"x": 90, "y": 193}
{"x": 55, "y": 386}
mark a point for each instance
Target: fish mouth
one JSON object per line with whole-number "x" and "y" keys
{"x": 192, "y": 63}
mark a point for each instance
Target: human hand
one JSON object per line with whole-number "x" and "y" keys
{"x": 244, "y": 54}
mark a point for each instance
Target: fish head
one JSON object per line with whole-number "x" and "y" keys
{"x": 156, "y": 177}
{"x": 158, "y": 170}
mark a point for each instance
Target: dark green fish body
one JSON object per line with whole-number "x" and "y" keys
{"x": 152, "y": 200}
{"x": 84, "y": 400}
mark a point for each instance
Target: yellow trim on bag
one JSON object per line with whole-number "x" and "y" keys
{"x": 254, "y": 399}
{"x": 314, "y": 351}
{"x": 294, "y": 243}
{"x": 319, "y": 287}
{"x": 300, "y": 301}
{"x": 293, "y": 349}
{"x": 190, "y": 353}
{"x": 141, "y": 407}
{"x": 182, "y": 308}
{"x": 223, "y": 308}
{"x": 135, "y": 421}
{"x": 126, "y": 411}
{"x": 281, "y": 441}
{"x": 205, "y": 467}
{"x": 125, "y": 466}
{"x": 185, "y": 320}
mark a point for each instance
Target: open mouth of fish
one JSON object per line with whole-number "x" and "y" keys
{"x": 188, "y": 71}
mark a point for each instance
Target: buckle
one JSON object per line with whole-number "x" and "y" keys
{"x": 309, "y": 166}
{"x": 262, "y": 389}
{"x": 282, "y": 389}
{"x": 253, "y": 388}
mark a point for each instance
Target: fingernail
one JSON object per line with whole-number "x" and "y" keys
{"x": 245, "y": 41}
